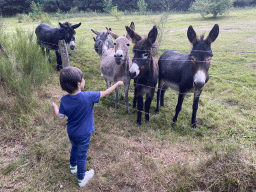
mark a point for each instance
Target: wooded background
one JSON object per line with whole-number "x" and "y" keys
{"x": 12, "y": 7}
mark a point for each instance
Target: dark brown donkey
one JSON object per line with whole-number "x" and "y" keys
{"x": 186, "y": 72}
{"x": 144, "y": 69}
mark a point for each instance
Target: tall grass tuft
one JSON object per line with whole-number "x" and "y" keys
{"x": 26, "y": 68}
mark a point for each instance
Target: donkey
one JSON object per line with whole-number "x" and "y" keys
{"x": 102, "y": 42}
{"x": 48, "y": 37}
{"x": 186, "y": 72}
{"x": 144, "y": 69}
{"x": 115, "y": 65}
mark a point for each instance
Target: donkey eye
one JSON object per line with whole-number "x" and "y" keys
{"x": 128, "y": 44}
{"x": 193, "y": 59}
{"x": 114, "y": 43}
{"x": 208, "y": 59}
{"x": 145, "y": 55}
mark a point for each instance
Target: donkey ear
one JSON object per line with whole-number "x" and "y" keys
{"x": 132, "y": 26}
{"x": 115, "y": 36}
{"x": 213, "y": 34}
{"x": 61, "y": 25}
{"x": 95, "y": 32}
{"x": 76, "y": 25}
{"x": 192, "y": 35}
{"x": 152, "y": 35}
{"x": 133, "y": 35}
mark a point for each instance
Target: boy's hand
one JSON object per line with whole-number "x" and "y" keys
{"x": 120, "y": 83}
{"x": 54, "y": 105}
{"x": 56, "y": 111}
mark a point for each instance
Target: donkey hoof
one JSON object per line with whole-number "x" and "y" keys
{"x": 59, "y": 68}
{"x": 173, "y": 124}
{"x": 194, "y": 126}
{"x": 139, "y": 123}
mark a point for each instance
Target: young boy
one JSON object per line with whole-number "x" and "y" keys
{"x": 78, "y": 107}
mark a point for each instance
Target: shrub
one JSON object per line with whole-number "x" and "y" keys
{"x": 37, "y": 13}
{"x": 73, "y": 10}
{"x": 107, "y": 6}
{"x": 214, "y": 7}
{"x": 160, "y": 26}
{"x": 117, "y": 14}
{"x": 142, "y": 5}
{"x": 26, "y": 68}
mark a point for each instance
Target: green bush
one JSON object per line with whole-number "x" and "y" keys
{"x": 117, "y": 14}
{"x": 26, "y": 68}
{"x": 37, "y": 13}
{"x": 107, "y": 6}
{"x": 214, "y": 7}
{"x": 142, "y": 5}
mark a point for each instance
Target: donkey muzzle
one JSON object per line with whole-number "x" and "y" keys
{"x": 118, "y": 57}
{"x": 72, "y": 45}
{"x": 199, "y": 80}
{"x": 134, "y": 71}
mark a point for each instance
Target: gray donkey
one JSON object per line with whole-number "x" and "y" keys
{"x": 115, "y": 65}
{"x": 102, "y": 42}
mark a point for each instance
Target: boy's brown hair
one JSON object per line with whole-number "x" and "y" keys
{"x": 69, "y": 79}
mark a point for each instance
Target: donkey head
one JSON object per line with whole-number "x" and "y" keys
{"x": 102, "y": 42}
{"x": 69, "y": 31}
{"x": 121, "y": 48}
{"x": 142, "y": 51}
{"x": 201, "y": 54}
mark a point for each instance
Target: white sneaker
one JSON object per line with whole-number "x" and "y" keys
{"x": 87, "y": 177}
{"x": 73, "y": 169}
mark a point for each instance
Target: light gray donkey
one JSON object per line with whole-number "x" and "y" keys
{"x": 115, "y": 65}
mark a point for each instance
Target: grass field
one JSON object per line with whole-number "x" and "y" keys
{"x": 218, "y": 156}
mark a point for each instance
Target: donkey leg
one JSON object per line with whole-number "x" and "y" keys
{"x": 116, "y": 100}
{"x": 195, "y": 107}
{"x": 42, "y": 48}
{"x": 148, "y": 101}
{"x": 107, "y": 83}
{"x": 59, "y": 61}
{"x": 158, "y": 95}
{"x": 139, "y": 108}
{"x": 126, "y": 89}
{"x": 164, "y": 88}
{"x": 48, "y": 54}
{"x": 134, "y": 98}
{"x": 178, "y": 107}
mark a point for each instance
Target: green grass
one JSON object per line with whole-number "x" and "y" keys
{"x": 218, "y": 156}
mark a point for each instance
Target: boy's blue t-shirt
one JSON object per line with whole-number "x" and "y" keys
{"x": 79, "y": 110}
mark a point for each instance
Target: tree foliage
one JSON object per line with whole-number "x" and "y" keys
{"x": 214, "y": 7}
{"x": 107, "y": 5}
{"x": 117, "y": 14}
{"x": 12, "y": 7}
{"x": 142, "y": 5}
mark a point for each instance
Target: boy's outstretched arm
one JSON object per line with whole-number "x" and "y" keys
{"x": 110, "y": 89}
{"x": 56, "y": 111}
